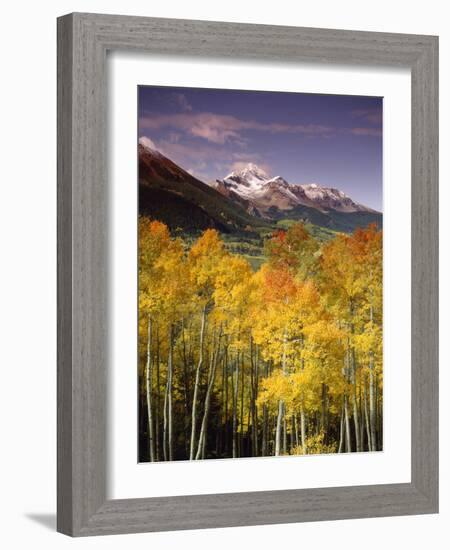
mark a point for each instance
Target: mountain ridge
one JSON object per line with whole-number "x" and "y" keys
{"x": 172, "y": 195}
{"x": 245, "y": 202}
{"x": 264, "y": 193}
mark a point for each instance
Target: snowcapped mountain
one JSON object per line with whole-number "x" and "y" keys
{"x": 256, "y": 191}
{"x": 170, "y": 194}
{"x": 264, "y": 196}
{"x": 245, "y": 201}
{"x": 329, "y": 197}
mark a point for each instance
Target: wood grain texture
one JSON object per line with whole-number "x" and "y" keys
{"x": 424, "y": 277}
{"x": 83, "y": 205}
{"x": 64, "y": 251}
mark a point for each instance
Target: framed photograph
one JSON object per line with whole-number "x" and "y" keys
{"x": 247, "y": 274}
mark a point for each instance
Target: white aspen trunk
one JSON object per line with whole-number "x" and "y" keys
{"x": 372, "y": 403}
{"x": 296, "y": 430}
{"x": 149, "y": 380}
{"x": 302, "y": 411}
{"x": 377, "y": 414}
{"x": 278, "y": 430}
{"x": 292, "y": 432}
{"x": 348, "y": 441}
{"x": 202, "y": 437}
{"x": 186, "y": 390}
{"x": 169, "y": 392}
{"x": 372, "y": 411}
{"x": 361, "y": 414}
{"x": 235, "y": 400}
{"x": 265, "y": 428}
{"x": 303, "y": 430}
{"x": 323, "y": 412}
{"x": 356, "y": 420}
{"x": 241, "y": 416}
{"x": 257, "y": 364}
{"x": 165, "y": 424}
{"x": 341, "y": 431}
{"x": 352, "y": 364}
{"x": 222, "y": 416}
{"x": 158, "y": 396}
{"x": 226, "y": 431}
{"x": 280, "y": 402}
{"x": 366, "y": 416}
{"x": 204, "y": 449}
{"x": 254, "y": 392}
{"x": 197, "y": 381}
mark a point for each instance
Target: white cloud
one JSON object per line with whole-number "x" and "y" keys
{"x": 221, "y": 129}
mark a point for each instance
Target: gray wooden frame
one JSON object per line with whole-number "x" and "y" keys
{"x": 83, "y": 41}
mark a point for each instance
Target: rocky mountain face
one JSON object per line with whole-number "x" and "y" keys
{"x": 170, "y": 194}
{"x": 265, "y": 196}
{"x": 245, "y": 202}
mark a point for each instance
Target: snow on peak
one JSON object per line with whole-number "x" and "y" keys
{"x": 278, "y": 180}
{"x": 315, "y": 191}
{"x": 330, "y": 197}
{"x": 251, "y": 173}
{"x": 254, "y": 170}
{"x": 148, "y": 144}
{"x": 253, "y": 184}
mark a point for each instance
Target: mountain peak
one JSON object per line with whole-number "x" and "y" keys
{"x": 148, "y": 145}
{"x": 314, "y": 190}
{"x": 278, "y": 180}
{"x": 264, "y": 193}
{"x": 245, "y": 198}
{"x": 317, "y": 189}
{"x": 250, "y": 172}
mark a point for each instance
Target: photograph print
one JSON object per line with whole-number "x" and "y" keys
{"x": 260, "y": 274}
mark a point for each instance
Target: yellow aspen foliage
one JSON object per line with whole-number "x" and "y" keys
{"x": 285, "y": 359}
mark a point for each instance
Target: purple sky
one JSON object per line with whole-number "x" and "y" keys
{"x": 332, "y": 140}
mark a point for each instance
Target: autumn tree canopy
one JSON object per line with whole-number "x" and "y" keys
{"x": 282, "y": 361}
